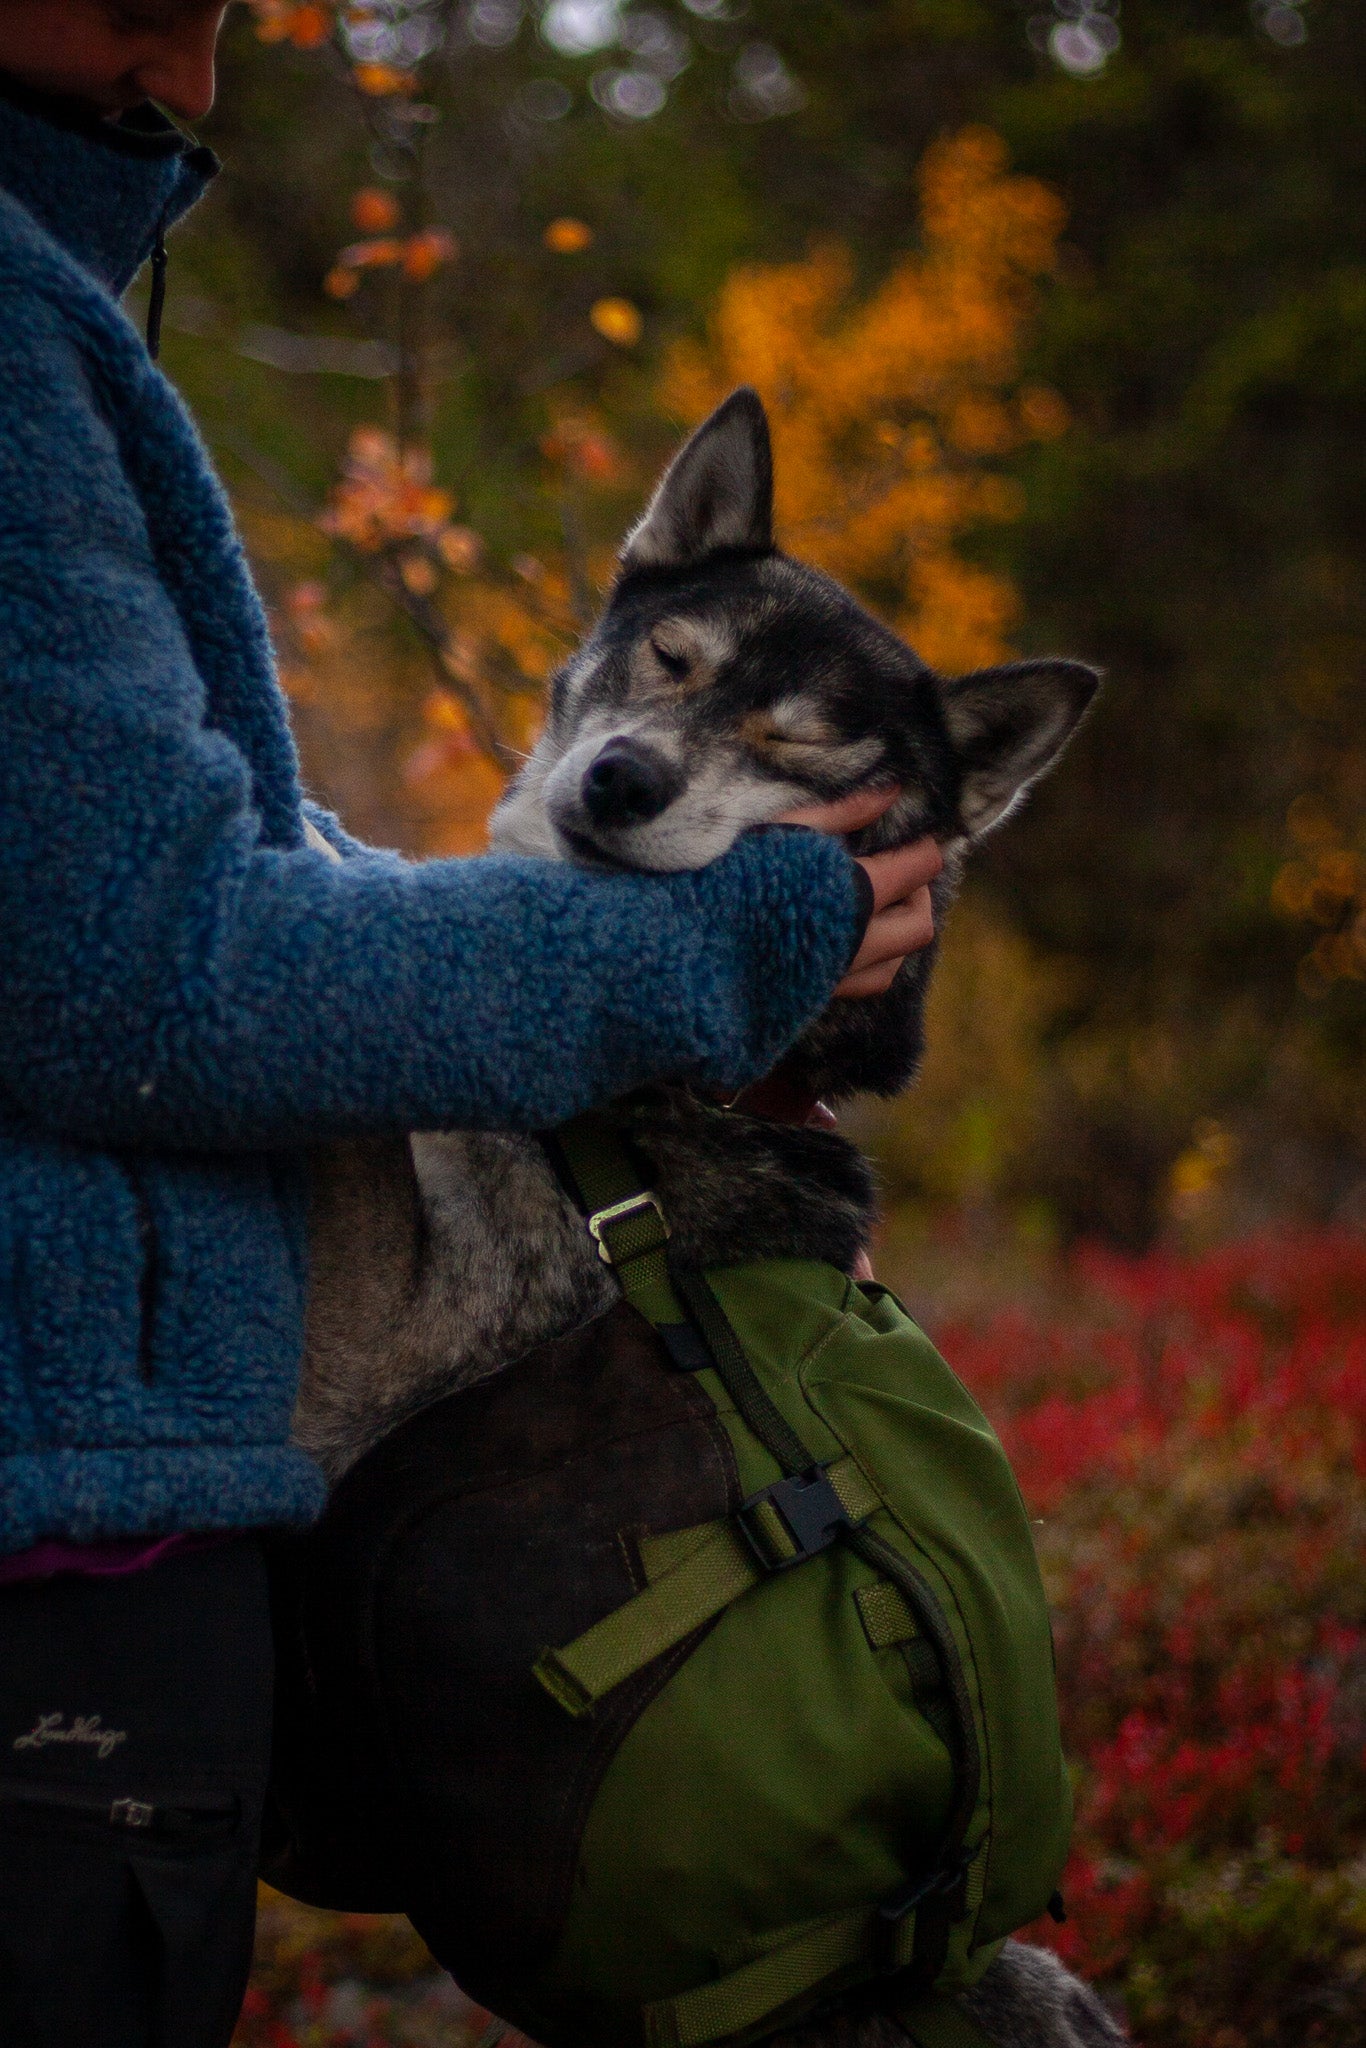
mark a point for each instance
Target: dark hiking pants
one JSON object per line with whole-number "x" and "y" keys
{"x": 134, "y": 1745}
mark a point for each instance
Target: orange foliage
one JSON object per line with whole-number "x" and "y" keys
{"x": 618, "y": 321}
{"x": 889, "y": 410}
{"x": 300, "y": 22}
{"x": 892, "y": 413}
{"x": 383, "y": 81}
{"x": 419, "y": 256}
{"x": 568, "y": 237}
{"x": 386, "y": 494}
{"x": 308, "y": 24}
{"x": 374, "y": 212}
{"x": 1324, "y": 885}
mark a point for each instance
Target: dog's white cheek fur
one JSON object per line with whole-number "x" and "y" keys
{"x": 719, "y": 803}
{"x": 706, "y": 820}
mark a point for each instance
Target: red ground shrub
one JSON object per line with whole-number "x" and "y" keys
{"x": 1193, "y": 1435}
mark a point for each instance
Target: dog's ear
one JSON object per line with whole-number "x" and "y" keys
{"x": 716, "y": 493}
{"x": 1008, "y": 726}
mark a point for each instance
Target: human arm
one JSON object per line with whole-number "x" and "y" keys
{"x": 172, "y": 980}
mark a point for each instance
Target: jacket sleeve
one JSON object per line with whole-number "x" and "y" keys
{"x": 170, "y": 981}
{"x": 329, "y": 826}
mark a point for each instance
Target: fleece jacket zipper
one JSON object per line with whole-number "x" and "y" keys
{"x": 149, "y": 1273}
{"x": 156, "y": 304}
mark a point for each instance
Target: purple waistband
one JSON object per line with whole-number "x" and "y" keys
{"x": 110, "y": 1560}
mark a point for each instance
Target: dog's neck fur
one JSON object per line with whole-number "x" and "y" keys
{"x": 441, "y": 1259}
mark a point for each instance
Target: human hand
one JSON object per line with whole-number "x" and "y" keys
{"x": 903, "y": 917}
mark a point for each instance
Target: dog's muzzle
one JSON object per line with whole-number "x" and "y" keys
{"x": 628, "y": 783}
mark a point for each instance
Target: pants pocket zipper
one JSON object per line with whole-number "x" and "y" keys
{"x": 161, "y": 1820}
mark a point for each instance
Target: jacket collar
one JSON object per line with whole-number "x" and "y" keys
{"x": 102, "y": 189}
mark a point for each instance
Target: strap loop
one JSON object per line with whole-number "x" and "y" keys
{"x": 617, "y": 1243}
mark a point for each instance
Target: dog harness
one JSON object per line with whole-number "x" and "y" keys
{"x": 690, "y": 1674}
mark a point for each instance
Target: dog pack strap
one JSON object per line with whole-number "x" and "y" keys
{"x": 624, "y": 1217}
{"x": 944, "y": 2023}
{"x": 745, "y": 1997}
{"x": 627, "y": 1222}
{"x": 763, "y": 1418}
{"x": 623, "y": 1642}
{"x": 780, "y": 1526}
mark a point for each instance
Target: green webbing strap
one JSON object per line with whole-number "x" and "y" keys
{"x": 943, "y": 2023}
{"x": 747, "y": 1995}
{"x": 743, "y": 1998}
{"x": 719, "y": 1566}
{"x": 627, "y": 1223}
{"x": 776, "y": 1979}
{"x": 623, "y": 1642}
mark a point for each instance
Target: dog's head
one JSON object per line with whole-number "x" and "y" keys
{"x": 726, "y": 683}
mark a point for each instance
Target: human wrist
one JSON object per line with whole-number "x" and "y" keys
{"x": 795, "y": 915}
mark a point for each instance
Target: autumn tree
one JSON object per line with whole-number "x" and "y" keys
{"x": 892, "y": 410}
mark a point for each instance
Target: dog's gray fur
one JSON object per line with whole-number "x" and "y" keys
{"x": 1025, "y": 2000}
{"x": 724, "y": 684}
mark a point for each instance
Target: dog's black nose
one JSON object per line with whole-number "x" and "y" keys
{"x": 628, "y": 784}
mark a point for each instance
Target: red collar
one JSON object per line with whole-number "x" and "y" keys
{"x": 781, "y": 1100}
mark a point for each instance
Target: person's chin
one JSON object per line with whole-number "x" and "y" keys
{"x": 100, "y": 102}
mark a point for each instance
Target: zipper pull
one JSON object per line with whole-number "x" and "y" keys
{"x": 156, "y": 305}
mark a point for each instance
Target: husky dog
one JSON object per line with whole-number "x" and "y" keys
{"x": 724, "y": 684}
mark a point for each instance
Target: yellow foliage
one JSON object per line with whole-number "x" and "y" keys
{"x": 888, "y": 409}
{"x": 892, "y": 413}
{"x": 618, "y": 321}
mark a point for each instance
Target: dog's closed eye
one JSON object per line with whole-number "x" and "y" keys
{"x": 765, "y": 731}
{"x": 673, "y": 660}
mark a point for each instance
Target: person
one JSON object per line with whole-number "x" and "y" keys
{"x": 193, "y": 995}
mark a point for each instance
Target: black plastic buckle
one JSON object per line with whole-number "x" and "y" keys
{"x": 810, "y": 1511}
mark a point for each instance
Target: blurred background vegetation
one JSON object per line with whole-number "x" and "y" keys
{"x": 1062, "y": 316}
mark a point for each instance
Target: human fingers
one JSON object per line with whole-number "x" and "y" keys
{"x": 893, "y": 933}
{"x": 897, "y": 875}
{"x": 847, "y": 813}
{"x": 903, "y": 928}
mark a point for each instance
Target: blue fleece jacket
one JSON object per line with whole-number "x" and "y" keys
{"x": 190, "y": 995}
